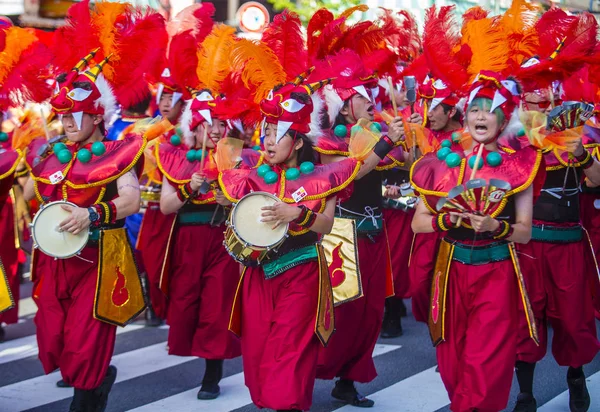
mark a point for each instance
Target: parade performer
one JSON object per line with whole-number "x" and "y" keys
{"x": 21, "y": 79}
{"x": 476, "y": 261}
{"x": 284, "y": 306}
{"x": 81, "y": 299}
{"x": 358, "y": 323}
{"x": 558, "y": 263}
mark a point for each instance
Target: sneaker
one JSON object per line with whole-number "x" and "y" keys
{"x": 579, "y": 397}
{"x": 346, "y": 392}
{"x": 525, "y": 403}
{"x": 209, "y": 391}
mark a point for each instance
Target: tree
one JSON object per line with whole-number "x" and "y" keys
{"x": 306, "y": 8}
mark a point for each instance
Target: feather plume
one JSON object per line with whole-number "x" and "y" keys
{"x": 350, "y": 11}
{"x": 258, "y": 65}
{"x": 322, "y": 33}
{"x": 214, "y": 57}
{"x": 284, "y": 37}
{"x": 183, "y": 59}
{"x": 23, "y": 68}
{"x": 142, "y": 43}
{"x": 441, "y": 40}
{"x": 401, "y": 34}
{"x": 518, "y": 24}
{"x": 552, "y": 28}
{"x": 196, "y": 19}
{"x": 104, "y": 22}
{"x": 344, "y": 67}
{"x": 486, "y": 39}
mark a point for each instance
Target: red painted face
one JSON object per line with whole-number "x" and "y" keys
{"x": 283, "y": 109}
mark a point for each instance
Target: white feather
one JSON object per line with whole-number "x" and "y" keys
{"x": 333, "y": 101}
{"x": 107, "y": 99}
{"x": 185, "y": 122}
{"x": 315, "y": 119}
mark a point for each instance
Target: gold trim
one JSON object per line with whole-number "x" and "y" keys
{"x": 14, "y": 166}
{"x": 331, "y": 152}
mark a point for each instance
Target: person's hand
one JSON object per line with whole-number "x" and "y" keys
{"x": 78, "y": 221}
{"x": 415, "y": 118}
{"x": 575, "y": 146}
{"x": 196, "y": 181}
{"x": 280, "y": 213}
{"x": 392, "y": 192}
{"x": 396, "y": 129}
{"x": 221, "y": 199}
{"x": 484, "y": 223}
{"x": 454, "y": 216}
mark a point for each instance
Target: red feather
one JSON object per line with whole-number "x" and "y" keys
{"x": 441, "y": 40}
{"x": 183, "y": 59}
{"x": 345, "y": 67}
{"x": 204, "y": 17}
{"x": 315, "y": 28}
{"x": 284, "y": 36}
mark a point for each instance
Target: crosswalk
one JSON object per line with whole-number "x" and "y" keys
{"x": 150, "y": 380}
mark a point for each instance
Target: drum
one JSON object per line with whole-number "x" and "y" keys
{"x": 247, "y": 239}
{"x": 47, "y": 237}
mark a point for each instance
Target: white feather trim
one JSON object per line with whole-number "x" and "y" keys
{"x": 333, "y": 101}
{"x": 185, "y": 122}
{"x": 315, "y": 119}
{"x": 107, "y": 99}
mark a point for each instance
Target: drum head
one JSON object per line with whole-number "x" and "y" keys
{"x": 49, "y": 239}
{"x": 246, "y": 221}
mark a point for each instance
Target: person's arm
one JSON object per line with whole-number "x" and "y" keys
{"x": 282, "y": 213}
{"x": 126, "y": 204}
{"x": 172, "y": 199}
{"x": 28, "y": 192}
{"x": 591, "y": 167}
{"x": 422, "y": 221}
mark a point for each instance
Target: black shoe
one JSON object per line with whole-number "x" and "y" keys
{"x": 83, "y": 401}
{"x": 209, "y": 391}
{"x": 345, "y": 391}
{"x": 579, "y": 397}
{"x": 392, "y": 321}
{"x": 62, "y": 384}
{"x": 210, "y": 382}
{"x": 152, "y": 319}
{"x": 403, "y": 310}
{"x": 525, "y": 403}
{"x": 2, "y": 334}
{"x": 289, "y": 410}
{"x": 102, "y": 391}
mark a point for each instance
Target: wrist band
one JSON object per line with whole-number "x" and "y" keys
{"x": 184, "y": 192}
{"x": 307, "y": 217}
{"x": 504, "y": 230}
{"x": 585, "y": 160}
{"x": 108, "y": 212}
{"x": 441, "y": 222}
{"x": 383, "y": 147}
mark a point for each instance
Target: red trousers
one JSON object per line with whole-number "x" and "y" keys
{"x": 278, "y": 336}
{"x": 477, "y": 358}
{"x": 422, "y": 263}
{"x": 9, "y": 258}
{"x": 152, "y": 244}
{"x": 400, "y": 237}
{"x": 68, "y": 336}
{"x": 349, "y": 354}
{"x": 559, "y": 279}
{"x": 202, "y": 282}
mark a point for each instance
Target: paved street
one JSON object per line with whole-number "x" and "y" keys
{"x": 150, "y": 380}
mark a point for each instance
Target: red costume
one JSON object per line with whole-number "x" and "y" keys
{"x": 198, "y": 275}
{"x": 476, "y": 278}
{"x": 558, "y": 242}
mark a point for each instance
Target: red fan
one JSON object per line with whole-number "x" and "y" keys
{"x": 476, "y": 196}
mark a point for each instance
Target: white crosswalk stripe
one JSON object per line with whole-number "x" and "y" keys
{"x": 138, "y": 362}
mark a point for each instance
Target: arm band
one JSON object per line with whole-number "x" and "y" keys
{"x": 383, "y": 147}
{"x": 307, "y": 217}
{"x": 184, "y": 192}
{"x": 585, "y": 160}
{"x": 441, "y": 222}
{"x": 505, "y": 230}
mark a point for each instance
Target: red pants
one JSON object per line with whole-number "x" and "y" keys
{"x": 202, "y": 284}
{"x": 9, "y": 258}
{"x": 278, "y": 336}
{"x": 422, "y": 263}
{"x": 152, "y": 244}
{"x": 477, "y": 358}
{"x": 559, "y": 282}
{"x": 68, "y": 336}
{"x": 400, "y": 237}
{"x": 349, "y": 354}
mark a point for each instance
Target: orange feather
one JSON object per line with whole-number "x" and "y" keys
{"x": 16, "y": 42}
{"x": 104, "y": 17}
{"x": 214, "y": 57}
{"x": 259, "y": 66}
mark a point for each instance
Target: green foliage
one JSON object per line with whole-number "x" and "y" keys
{"x": 306, "y": 8}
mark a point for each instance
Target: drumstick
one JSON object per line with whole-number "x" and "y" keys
{"x": 392, "y": 96}
{"x": 473, "y": 172}
{"x": 204, "y": 137}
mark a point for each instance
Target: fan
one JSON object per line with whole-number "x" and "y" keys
{"x": 476, "y": 196}
{"x": 569, "y": 115}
